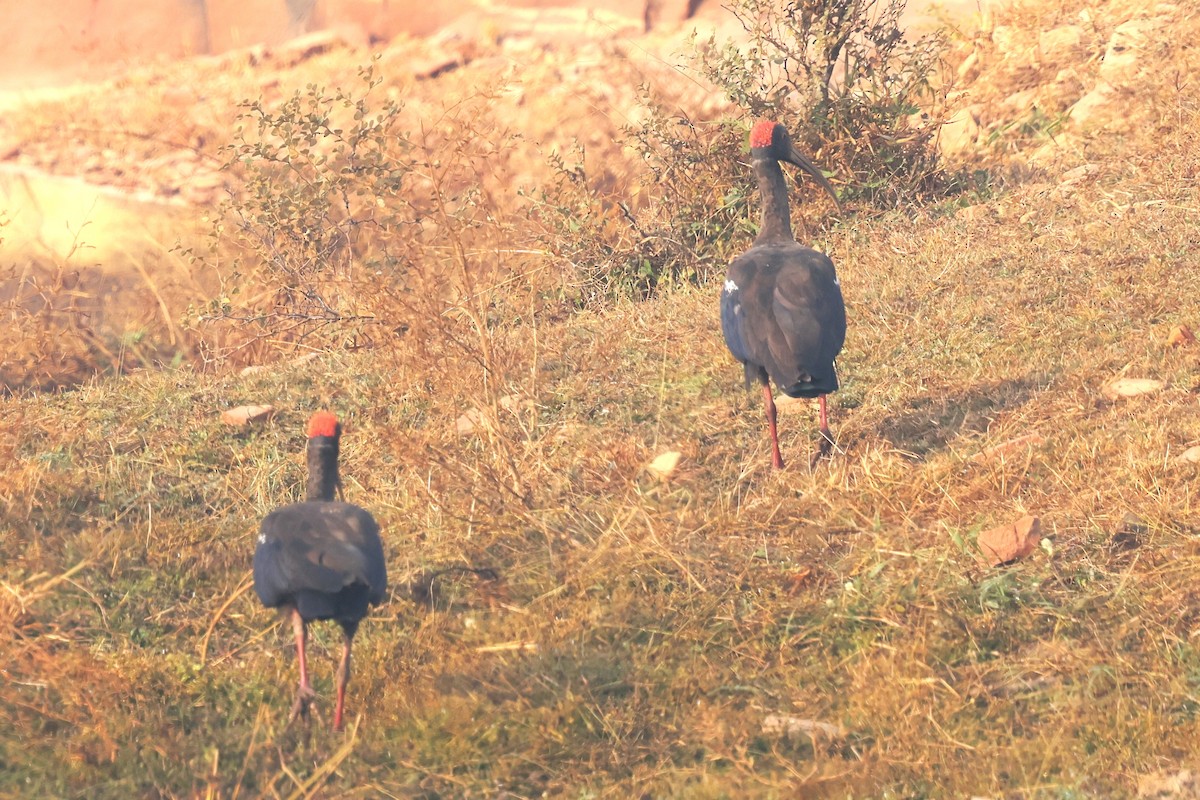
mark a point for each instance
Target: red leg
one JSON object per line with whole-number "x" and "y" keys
{"x": 305, "y": 693}
{"x": 826, "y": 445}
{"x": 769, "y": 403}
{"x": 343, "y": 678}
{"x": 301, "y": 631}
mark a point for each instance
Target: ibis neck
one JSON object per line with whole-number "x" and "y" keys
{"x": 322, "y": 467}
{"x": 772, "y": 189}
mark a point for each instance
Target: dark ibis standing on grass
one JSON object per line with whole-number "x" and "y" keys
{"x": 321, "y": 559}
{"x": 781, "y": 308}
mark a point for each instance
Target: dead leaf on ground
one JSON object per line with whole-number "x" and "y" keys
{"x": 794, "y": 582}
{"x": 245, "y": 415}
{"x": 1180, "y": 335}
{"x": 1005, "y": 448}
{"x": 1010, "y": 542}
{"x": 1132, "y": 387}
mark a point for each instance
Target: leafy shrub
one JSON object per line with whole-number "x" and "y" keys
{"x": 855, "y": 93}
{"x": 349, "y": 231}
{"x": 322, "y": 209}
{"x": 851, "y": 86}
{"x": 46, "y": 339}
{"x": 675, "y": 224}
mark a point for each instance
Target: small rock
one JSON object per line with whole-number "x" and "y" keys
{"x": 1061, "y": 42}
{"x": 1190, "y": 456}
{"x": 1180, "y": 335}
{"x": 1078, "y": 174}
{"x": 960, "y": 132}
{"x": 514, "y": 403}
{"x": 1182, "y": 785}
{"x": 1068, "y": 82}
{"x": 1006, "y": 39}
{"x": 1022, "y": 101}
{"x": 662, "y": 466}
{"x": 1096, "y": 109}
{"x": 1010, "y": 542}
{"x": 1123, "y": 58}
{"x": 243, "y": 416}
{"x": 791, "y": 405}
{"x": 468, "y": 422}
{"x": 1132, "y": 387}
{"x": 795, "y": 727}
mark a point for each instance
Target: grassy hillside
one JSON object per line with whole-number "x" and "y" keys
{"x": 645, "y": 637}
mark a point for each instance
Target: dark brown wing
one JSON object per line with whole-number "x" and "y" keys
{"x": 782, "y": 311}
{"x": 810, "y": 324}
{"x": 318, "y": 547}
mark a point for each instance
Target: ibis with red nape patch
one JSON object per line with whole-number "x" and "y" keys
{"x": 321, "y": 559}
{"x": 782, "y": 311}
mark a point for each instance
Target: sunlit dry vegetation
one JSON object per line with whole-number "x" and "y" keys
{"x": 510, "y": 341}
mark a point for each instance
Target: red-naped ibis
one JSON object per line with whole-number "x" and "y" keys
{"x": 781, "y": 309}
{"x": 321, "y": 559}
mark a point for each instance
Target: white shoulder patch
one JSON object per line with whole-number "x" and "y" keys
{"x": 730, "y": 286}
{"x": 262, "y": 538}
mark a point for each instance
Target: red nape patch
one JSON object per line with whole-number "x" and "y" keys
{"x": 762, "y": 133}
{"x": 322, "y": 423}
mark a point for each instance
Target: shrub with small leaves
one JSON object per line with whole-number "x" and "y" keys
{"x": 858, "y": 96}
{"x": 321, "y": 212}
{"x": 689, "y": 201}
{"x": 349, "y": 231}
{"x": 850, "y": 84}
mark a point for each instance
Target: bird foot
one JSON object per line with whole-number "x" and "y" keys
{"x": 305, "y": 697}
{"x": 824, "y": 449}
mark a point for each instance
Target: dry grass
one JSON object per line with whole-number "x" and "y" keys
{"x": 641, "y": 632}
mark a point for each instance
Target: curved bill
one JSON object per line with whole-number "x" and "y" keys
{"x": 795, "y": 157}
